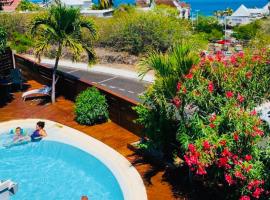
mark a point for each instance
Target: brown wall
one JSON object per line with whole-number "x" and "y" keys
{"x": 120, "y": 107}
{"x": 6, "y": 62}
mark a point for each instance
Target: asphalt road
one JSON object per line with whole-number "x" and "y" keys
{"x": 130, "y": 88}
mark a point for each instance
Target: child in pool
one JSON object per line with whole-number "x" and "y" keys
{"x": 39, "y": 133}
{"x": 18, "y": 135}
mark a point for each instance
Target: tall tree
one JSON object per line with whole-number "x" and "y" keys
{"x": 62, "y": 27}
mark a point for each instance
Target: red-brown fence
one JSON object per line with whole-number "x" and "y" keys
{"x": 6, "y": 62}
{"x": 120, "y": 107}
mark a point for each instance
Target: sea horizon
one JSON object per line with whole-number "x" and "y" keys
{"x": 207, "y": 7}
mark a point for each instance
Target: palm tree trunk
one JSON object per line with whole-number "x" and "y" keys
{"x": 59, "y": 52}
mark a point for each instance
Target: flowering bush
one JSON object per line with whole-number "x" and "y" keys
{"x": 221, "y": 138}
{"x": 219, "y": 133}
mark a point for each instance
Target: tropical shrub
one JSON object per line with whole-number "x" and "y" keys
{"x": 210, "y": 27}
{"x": 247, "y": 32}
{"x": 219, "y": 134}
{"x": 26, "y": 5}
{"x": 91, "y": 107}
{"x": 21, "y": 42}
{"x": 3, "y": 39}
{"x": 159, "y": 118}
{"x": 139, "y": 32}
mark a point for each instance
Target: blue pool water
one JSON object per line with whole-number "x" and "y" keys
{"x": 207, "y": 7}
{"x": 50, "y": 170}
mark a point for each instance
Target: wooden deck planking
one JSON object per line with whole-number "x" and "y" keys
{"x": 109, "y": 133}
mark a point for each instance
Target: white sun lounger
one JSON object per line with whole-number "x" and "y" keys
{"x": 42, "y": 91}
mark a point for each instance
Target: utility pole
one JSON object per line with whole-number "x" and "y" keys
{"x": 197, "y": 11}
{"x": 225, "y": 28}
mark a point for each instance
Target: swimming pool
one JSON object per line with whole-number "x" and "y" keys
{"x": 67, "y": 165}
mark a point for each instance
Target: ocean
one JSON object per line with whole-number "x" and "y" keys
{"x": 207, "y": 7}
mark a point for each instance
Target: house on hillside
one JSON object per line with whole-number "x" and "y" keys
{"x": 244, "y": 15}
{"x": 9, "y": 5}
{"x": 82, "y": 4}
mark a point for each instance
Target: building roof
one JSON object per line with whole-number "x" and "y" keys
{"x": 242, "y": 11}
{"x": 72, "y": 2}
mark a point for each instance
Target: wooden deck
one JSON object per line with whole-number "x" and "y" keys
{"x": 109, "y": 133}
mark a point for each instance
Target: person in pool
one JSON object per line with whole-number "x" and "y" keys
{"x": 39, "y": 133}
{"x": 18, "y": 134}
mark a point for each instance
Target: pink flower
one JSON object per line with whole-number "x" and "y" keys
{"x": 257, "y": 193}
{"x": 212, "y": 125}
{"x": 236, "y": 137}
{"x": 240, "y": 54}
{"x": 239, "y": 175}
{"x": 258, "y": 131}
{"x": 191, "y": 160}
{"x": 253, "y": 113}
{"x": 210, "y": 58}
{"x": 248, "y": 157}
{"x": 176, "y": 101}
{"x": 229, "y": 94}
{"x": 213, "y": 117}
{"x": 178, "y": 86}
{"x": 229, "y": 179}
{"x": 233, "y": 59}
{"x": 191, "y": 148}
{"x": 226, "y": 152}
{"x": 222, "y": 162}
{"x": 249, "y": 74}
{"x": 206, "y": 145}
{"x": 256, "y": 58}
{"x": 184, "y": 90}
{"x": 189, "y": 76}
{"x": 201, "y": 170}
{"x": 245, "y": 197}
{"x": 210, "y": 87}
{"x": 223, "y": 142}
{"x": 240, "y": 98}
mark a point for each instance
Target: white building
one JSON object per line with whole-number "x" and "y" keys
{"x": 244, "y": 15}
{"x": 183, "y": 8}
{"x": 82, "y": 4}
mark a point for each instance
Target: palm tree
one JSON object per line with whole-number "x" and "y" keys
{"x": 62, "y": 27}
{"x": 229, "y": 11}
{"x": 169, "y": 68}
{"x": 217, "y": 14}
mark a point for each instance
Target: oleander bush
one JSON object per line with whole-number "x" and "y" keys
{"x": 91, "y": 107}
{"x": 214, "y": 127}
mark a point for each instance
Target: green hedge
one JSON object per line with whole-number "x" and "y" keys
{"x": 91, "y": 107}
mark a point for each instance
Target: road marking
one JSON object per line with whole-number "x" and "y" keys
{"x": 72, "y": 71}
{"x": 103, "y": 84}
{"x": 131, "y": 92}
{"x": 121, "y": 89}
{"x": 112, "y": 87}
{"x": 108, "y": 79}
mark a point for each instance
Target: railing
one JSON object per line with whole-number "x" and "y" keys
{"x": 6, "y": 2}
{"x": 120, "y": 107}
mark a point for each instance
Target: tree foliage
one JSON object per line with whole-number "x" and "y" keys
{"x": 62, "y": 27}
{"x": 3, "y": 39}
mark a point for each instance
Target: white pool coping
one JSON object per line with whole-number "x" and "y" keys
{"x": 129, "y": 179}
